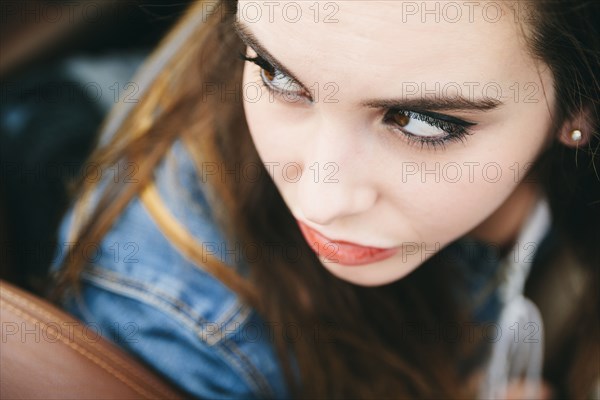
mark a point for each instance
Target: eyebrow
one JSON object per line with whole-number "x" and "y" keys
{"x": 436, "y": 103}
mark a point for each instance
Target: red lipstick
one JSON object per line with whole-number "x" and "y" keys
{"x": 342, "y": 252}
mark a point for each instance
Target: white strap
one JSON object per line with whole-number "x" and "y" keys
{"x": 517, "y": 350}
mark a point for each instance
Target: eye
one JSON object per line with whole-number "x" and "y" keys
{"x": 429, "y": 129}
{"x": 276, "y": 81}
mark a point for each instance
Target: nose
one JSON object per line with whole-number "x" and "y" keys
{"x": 336, "y": 181}
{"x": 323, "y": 204}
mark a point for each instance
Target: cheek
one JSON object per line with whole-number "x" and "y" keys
{"x": 442, "y": 212}
{"x": 275, "y": 131}
{"x": 447, "y": 196}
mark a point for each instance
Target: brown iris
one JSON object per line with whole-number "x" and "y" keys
{"x": 401, "y": 119}
{"x": 268, "y": 74}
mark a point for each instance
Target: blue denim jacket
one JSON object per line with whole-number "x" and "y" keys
{"x": 142, "y": 293}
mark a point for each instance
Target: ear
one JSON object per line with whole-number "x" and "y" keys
{"x": 581, "y": 121}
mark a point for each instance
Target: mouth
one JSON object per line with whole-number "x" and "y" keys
{"x": 342, "y": 252}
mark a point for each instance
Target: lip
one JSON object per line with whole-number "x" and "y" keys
{"x": 342, "y": 252}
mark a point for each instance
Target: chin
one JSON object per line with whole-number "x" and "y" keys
{"x": 369, "y": 275}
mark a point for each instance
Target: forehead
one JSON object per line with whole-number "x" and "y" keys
{"x": 430, "y": 41}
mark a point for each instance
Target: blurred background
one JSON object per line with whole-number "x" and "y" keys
{"x": 63, "y": 66}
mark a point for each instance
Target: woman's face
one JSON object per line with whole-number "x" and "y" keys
{"x": 395, "y": 127}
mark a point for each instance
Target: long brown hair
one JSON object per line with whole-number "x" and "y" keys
{"x": 362, "y": 349}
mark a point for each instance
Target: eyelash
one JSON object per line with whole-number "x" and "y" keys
{"x": 261, "y": 62}
{"x": 265, "y": 65}
{"x": 457, "y": 130}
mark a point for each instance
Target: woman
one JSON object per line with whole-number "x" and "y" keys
{"x": 363, "y": 226}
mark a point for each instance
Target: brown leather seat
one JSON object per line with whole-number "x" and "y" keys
{"x": 47, "y": 354}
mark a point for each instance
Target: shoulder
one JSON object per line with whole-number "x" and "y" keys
{"x": 141, "y": 291}
{"x": 137, "y": 248}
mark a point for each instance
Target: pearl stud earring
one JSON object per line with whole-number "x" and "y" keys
{"x": 576, "y": 135}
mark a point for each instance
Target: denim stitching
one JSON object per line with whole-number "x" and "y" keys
{"x": 179, "y": 310}
{"x": 134, "y": 288}
{"x": 230, "y": 350}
